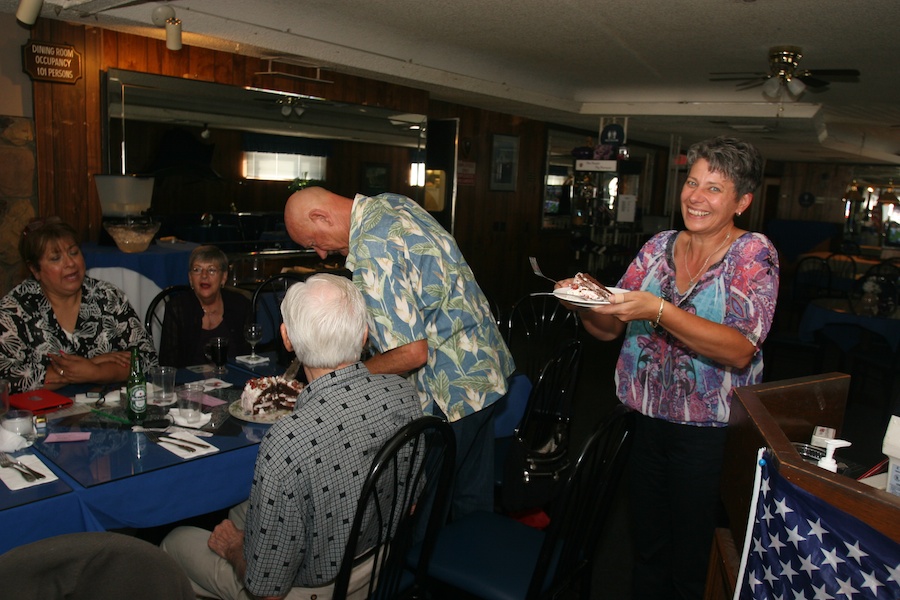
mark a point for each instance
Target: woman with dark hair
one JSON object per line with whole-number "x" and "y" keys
{"x": 59, "y": 326}
{"x": 700, "y": 306}
{"x": 207, "y": 311}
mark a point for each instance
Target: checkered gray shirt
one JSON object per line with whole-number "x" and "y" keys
{"x": 309, "y": 473}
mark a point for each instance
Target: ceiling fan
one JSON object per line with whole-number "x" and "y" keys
{"x": 784, "y": 80}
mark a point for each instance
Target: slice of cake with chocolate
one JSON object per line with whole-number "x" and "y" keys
{"x": 585, "y": 286}
{"x": 266, "y": 395}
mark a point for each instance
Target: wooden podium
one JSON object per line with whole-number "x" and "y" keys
{"x": 774, "y": 415}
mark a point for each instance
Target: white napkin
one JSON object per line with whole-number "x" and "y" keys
{"x": 214, "y": 383}
{"x": 10, "y": 442}
{"x": 249, "y": 359}
{"x": 114, "y": 397}
{"x": 14, "y": 480}
{"x": 179, "y": 420}
{"x": 183, "y": 435}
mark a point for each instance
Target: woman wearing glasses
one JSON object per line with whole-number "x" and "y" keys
{"x": 59, "y": 326}
{"x": 207, "y": 311}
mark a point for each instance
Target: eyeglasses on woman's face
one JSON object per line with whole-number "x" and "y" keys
{"x": 209, "y": 271}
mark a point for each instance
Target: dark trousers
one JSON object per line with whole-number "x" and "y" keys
{"x": 674, "y": 473}
{"x": 473, "y": 487}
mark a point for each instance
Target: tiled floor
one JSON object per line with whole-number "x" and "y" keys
{"x": 863, "y": 425}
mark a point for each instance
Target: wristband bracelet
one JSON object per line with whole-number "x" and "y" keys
{"x": 662, "y": 304}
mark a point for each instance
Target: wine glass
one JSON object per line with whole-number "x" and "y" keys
{"x": 253, "y": 333}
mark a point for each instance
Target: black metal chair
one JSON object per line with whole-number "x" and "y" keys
{"x": 886, "y": 270}
{"x": 811, "y": 279}
{"x": 538, "y": 326}
{"x": 491, "y": 556}
{"x": 265, "y": 307}
{"x": 843, "y": 273}
{"x": 404, "y": 502}
{"x": 156, "y": 311}
{"x": 533, "y": 464}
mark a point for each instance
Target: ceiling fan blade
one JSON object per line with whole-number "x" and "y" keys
{"x": 812, "y": 81}
{"x": 751, "y": 84}
{"x": 744, "y": 73}
{"x": 834, "y": 72}
{"x": 738, "y": 78}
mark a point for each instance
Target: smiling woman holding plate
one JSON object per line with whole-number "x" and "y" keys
{"x": 700, "y": 305}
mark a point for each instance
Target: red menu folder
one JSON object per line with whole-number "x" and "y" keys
{"x": 39, "y": 401}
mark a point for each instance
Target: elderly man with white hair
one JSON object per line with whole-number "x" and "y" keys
{"x": 288, "y": 539}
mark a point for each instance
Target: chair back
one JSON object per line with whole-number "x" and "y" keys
{"x": 538, "y": 326}
{"x": 265, "y": 307}
{"x": 404, "y": 501}
{"x": 156, "y": 311}
{"x": 843, "y": 273}
{"x": 811, "y": 280}
{"x": 537, "y": 459}
{"x": 887, "y": 268}
{"x": 578, "y": 517}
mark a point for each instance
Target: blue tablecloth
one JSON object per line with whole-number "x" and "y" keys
{"x": 118, "y": 479}
{"x": 163, "y": 263}
{"x": 141, "y": 275}
{"x": 835, "y": 319}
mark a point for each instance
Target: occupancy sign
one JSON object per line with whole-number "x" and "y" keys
{"x": 46, "y": 61}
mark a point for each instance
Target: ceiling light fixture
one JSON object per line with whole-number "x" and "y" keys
{"x": 164, "y": 16}
{"x": 291, "y": 105}
{"x": 29, "y": 11}
{"x": 888, "y": 196}
{"x": 782, "y": 84}
{"x": 852, "y": 194}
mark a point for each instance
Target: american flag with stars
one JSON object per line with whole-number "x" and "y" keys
{"x": 799, "y": 547}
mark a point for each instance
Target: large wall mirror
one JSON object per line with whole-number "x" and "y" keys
{"x": 217, "y": 151}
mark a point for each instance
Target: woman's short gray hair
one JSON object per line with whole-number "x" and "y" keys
{"x": 209, "y": 254}
{"x": 737, "y": 160}
{"x": 325, "y": 317}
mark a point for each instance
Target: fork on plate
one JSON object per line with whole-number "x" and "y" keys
{"x": 27, "y": 472}
{"x": 537, "y": 271}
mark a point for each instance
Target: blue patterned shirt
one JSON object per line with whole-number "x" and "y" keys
{"x": 418, "y": 286}
{"x": 661, "y": 377}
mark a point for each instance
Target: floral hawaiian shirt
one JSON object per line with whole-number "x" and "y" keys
{"x": 418, "y": 286}
{"x": 660, "y": 376}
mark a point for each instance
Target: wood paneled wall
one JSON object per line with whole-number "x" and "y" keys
{"x": 68, "y": 117}
{"x": 496, "y": 231}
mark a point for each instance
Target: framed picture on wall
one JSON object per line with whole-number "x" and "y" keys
{"x": 375, "y": 178}
{"x": 504, "y": 163}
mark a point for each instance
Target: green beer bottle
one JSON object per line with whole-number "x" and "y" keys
{"x": 136, "y": 387}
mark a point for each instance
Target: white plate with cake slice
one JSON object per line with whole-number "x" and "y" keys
{"x": 236, "y": 410}
{"x": 572, "y": 297}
